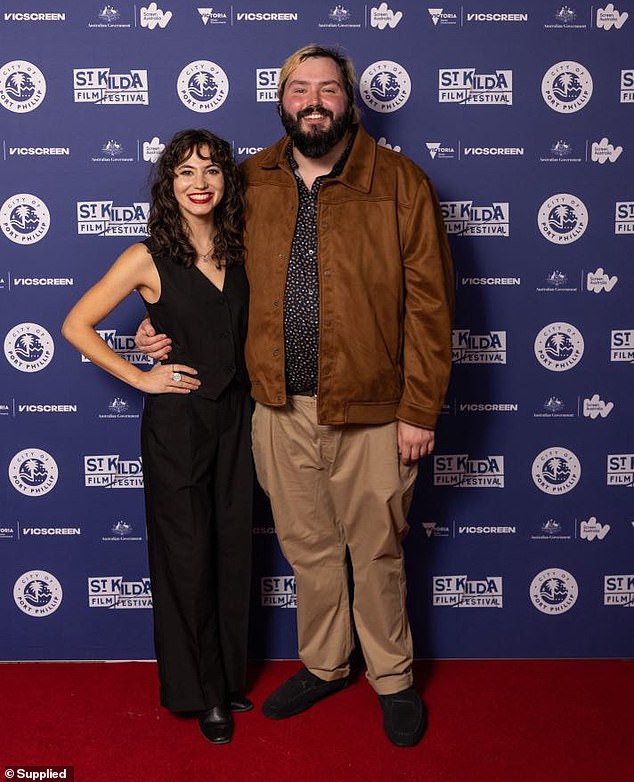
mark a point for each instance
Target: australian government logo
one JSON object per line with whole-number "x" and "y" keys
{"x": 385, "y": 86}
{"x": 559, "y": 346}
{"x": 562, "y": 218}
{"x": 464, "y": 218}
{"x": 464, "y": 592}
{"x": 556, "y": 470}
{"x": 115, "y": 592}
{"x": 554, "y": 591}
{"x": 622, "y": 345}
{"x": 562, "y": 151}
{"x": 567, "y": 87}
{"x": 102, "y": 86}
{"x": 29, "y": 347}
{"x": 278, "y": 591}
{"x": 202, "y": 86}
{"x": 620, "y": 471}
{"x": 340, "y": 16}
{"x": 24, "y": 218}
{"x": 461, "y": 471}
{"x": 110, "y": 471}
{"x": 105, "y": 218}
{"x": 22, "y": 86}
{"x": 624, "y": 217}
{"x": 618, "y": 590}
{"x": 33, "y": 472}
{"x": 470, "y": 348}
{"x": 37, "y": 593}
{"x": 468, "y": 87}
{"x": 627, "y": 86}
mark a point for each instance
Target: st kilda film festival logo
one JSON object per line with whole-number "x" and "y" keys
{"x": 22, "y": 86}
{"x": 202, "y": 86}
{"x": 24, "y": 218}
{"x": 385, "y": 86}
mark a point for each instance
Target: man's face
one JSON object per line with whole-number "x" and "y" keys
{"x": 315, "y": 110}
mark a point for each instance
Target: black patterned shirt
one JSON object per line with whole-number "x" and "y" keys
{"x": 301, "y": 297}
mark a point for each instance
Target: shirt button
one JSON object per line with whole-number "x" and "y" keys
{"x": 276, "y": 352}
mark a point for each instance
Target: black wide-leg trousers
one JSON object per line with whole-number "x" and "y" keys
{"x": 198, "y": 479}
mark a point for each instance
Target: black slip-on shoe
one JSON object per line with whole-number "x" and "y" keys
{"x": 404, "y": 717}
{"x": 216, "y": 725}
{"x": 299, "y": 693}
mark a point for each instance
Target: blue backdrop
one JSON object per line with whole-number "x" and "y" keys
{"x": 522, "y": 529}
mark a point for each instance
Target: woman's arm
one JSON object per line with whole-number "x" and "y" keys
{"x": 133, "y": 270}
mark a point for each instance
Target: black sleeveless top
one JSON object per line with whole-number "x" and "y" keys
{"x": 207, "y": 326}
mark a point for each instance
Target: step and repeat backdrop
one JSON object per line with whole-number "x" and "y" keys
{"x": 522, "y": 528}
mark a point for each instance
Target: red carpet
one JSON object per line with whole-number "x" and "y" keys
{"x": 490, "y": 721}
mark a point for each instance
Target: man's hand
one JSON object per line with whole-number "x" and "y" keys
{"x": 413, "y": 442}
{"x": 157, "y": 346}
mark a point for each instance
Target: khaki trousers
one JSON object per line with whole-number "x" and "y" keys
{"x": 332, "y": 488}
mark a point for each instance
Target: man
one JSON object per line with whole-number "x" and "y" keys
{"x": 349, "y": 355}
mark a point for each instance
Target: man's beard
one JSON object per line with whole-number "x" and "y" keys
{"x": 316, "y": 143}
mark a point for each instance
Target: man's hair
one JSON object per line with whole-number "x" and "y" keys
{"x": 168, "y": 232}
{"x": 315, "y": 50}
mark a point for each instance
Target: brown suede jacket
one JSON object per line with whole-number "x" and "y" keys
{"x": 386, "y": 286}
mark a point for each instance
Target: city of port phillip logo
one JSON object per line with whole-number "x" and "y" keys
{"x": 105, "y": 88}
{"x": 202, "y": 86}
{"x": 467, "y": 86}
{"x": 556, "y": 470}
{"x": 105, "y": 218}
{"x": 385, "y": 86}
{"x": 554, "y": 591}
{"x": 37, "y": 593}
{"x": 559, "y": 346}
{"x": 24, "y": 218}
{"x": 464, "y": 218}
{"x": 462, "y": 471}
{"x": 567, "y": 87}
{"x": 33, "y": 472}
{"x": 22, "y": 86}
{"x": 29, "y": 347}
{"x": 562, "y": 218}
{"x": 470, "y": 348}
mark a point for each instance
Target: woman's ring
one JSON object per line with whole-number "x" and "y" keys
{"x": 177, "y": 377}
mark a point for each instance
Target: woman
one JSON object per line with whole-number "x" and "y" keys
{"x": 195, "y": 434}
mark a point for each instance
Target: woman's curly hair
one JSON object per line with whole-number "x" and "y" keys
{"x": 168, "y": 232}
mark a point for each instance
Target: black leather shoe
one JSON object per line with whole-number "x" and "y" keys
{"x": 299, "y": 693}
{"x": 239, "y": 702}
{"x": 404, "y": 717}
{"x": 216, "y": 725}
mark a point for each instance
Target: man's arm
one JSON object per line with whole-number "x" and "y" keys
{"x": 157, "y": 346}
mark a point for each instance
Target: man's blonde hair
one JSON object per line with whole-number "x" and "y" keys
{"x": 315, "y": 50}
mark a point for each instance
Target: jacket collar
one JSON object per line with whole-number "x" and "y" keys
{"x": 357, "y": 173}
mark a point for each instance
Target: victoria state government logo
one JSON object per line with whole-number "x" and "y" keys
{"x": 22, "y": 86}
{"x": 567, "y": 87}
{"x": 33, "y": 472}
{"x": 37, "y": 593}
{"x": 385, "y": 86}
{"x": 559, "y": 347}
{"x": 554, "y": 591}
{"x": 203, "y": 86}
{"x": 29, "y": 347}
{"x": 24, "y": 218}
{"x": 562, "y": 218}
{"x": 556, "y": 470}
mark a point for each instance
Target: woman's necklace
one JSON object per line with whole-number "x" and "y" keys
{"x": 207, "y": 256}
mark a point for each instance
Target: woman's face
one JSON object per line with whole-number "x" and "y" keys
{"x": 199, "y": 185}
